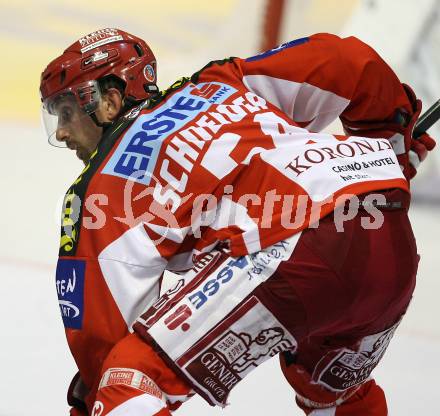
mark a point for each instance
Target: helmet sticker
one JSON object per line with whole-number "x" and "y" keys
{"x": 149, "y": 73}
{"x": 99, "y": 38}
{"x": 97, "y": 56}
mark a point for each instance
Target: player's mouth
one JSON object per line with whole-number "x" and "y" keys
{"x": 80, "y": 153}
{"x": 71, "y": 145}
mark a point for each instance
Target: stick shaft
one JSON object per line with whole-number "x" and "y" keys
{"x": 427, "y": 119}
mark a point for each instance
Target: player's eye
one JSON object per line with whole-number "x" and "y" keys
{"x": 65, "y": 115}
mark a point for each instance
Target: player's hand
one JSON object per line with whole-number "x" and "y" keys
{"x": 416, "y": 149}
{"x": 410, "y": 151}
{"x": 419, "y": 151}
{"x": 76, "y": 396}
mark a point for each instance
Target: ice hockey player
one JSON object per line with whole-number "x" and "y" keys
{"x": 284, "y": 240}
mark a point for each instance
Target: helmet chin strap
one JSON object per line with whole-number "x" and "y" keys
{"x": 128, "y": 104}
{"x": 105, "y": 125}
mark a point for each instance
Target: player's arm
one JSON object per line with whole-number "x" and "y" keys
{"x": 319, "y": 78}
{"x": 314, "y": 80}
{"x": 76, "y": 396}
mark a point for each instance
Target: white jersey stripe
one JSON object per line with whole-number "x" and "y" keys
{"x": 132, "y": 266}
{"x": 331, "y": 411}
{"x": 143, "y": 405}
{"x": 301, "y": 101}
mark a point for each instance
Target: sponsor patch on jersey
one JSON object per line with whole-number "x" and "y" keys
{"x": 132, "y": 378}
{"x": 279, "y": 48}
{"x": 70, "y": 289}
{"x": 322, "y": 169}
{"x": 136, "y": 155}
{"x": 254, "y": 336}
{"x": 346, "y": 368}
{"x": 228, "y": 281}
{"x": 243, "y": 341}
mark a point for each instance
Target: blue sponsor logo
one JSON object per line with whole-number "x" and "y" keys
{"x": 279, "y": 48}
{"x": 212, "y": 286}
{"x": 136, "y": 155}
{"x": 70, "y": 289}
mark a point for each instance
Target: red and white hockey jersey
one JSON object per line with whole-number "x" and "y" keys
{"x": 233, "y": 155}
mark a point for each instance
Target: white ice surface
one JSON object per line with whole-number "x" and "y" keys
{"x": 36, "y": 365}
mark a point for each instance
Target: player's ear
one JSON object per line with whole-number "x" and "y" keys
{"x": 111, "y": 104}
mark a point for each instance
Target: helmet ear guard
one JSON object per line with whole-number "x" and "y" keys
{"x": 88, "y": 94}
{"x": 151, "y": 88}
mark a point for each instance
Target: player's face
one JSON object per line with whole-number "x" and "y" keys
{"x": 77, "y": 129}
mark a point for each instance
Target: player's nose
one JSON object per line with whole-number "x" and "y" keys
{"x": 62, "y": 134}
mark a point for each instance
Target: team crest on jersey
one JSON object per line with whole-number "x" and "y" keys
{"x": 70, "y": 289}
{"x": 98, "y": 408}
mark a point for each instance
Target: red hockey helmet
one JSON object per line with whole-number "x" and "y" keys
{"x": 75, "y": 74}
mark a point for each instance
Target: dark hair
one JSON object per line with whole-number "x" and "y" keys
{"x": 111, "y": 81}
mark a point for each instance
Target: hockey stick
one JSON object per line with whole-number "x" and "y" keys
{"x": 427, "y": 119}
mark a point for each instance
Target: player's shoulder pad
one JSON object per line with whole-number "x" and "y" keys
{"x": 154, "y": 101}
{"x": 195, "y": 77}
{"x": 157, "y": 99}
